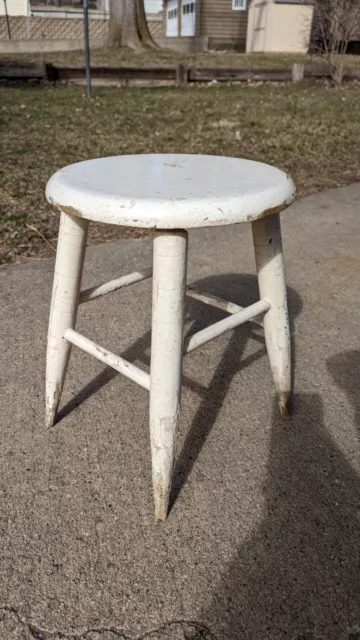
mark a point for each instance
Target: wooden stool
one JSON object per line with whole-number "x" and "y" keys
{"x": 168, "y": 193}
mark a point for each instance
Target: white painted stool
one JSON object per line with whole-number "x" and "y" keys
{"x": 169, "y": 193}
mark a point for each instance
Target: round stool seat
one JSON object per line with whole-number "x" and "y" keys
{"x": 170, "y": 191}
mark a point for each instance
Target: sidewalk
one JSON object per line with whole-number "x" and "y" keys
{"x": 262, "y": 541}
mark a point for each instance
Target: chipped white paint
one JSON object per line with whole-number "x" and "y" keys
{"x": 219, "y": 303}
{"x": 64, "y": 303}
{"x": 218, "y": 328}
{"x": 271, "y": 276}
{"x": 113, "y": 285}
{"x": 170, "y": 191}
{"x": 111, "y": 359}
{"x": 169, "y": 279}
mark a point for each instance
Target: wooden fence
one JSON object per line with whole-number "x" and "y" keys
{"x": 180, "y": 75}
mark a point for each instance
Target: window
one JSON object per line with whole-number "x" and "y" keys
{"x": 239, "y": 5}
{"x": 188, "y": 8}
{"x": 172, "y": 14}
{"x": 74, "y": 4}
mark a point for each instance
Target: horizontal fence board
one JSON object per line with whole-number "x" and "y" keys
{"x": 119, "y": 73}
{"x": 180, "y": 75}
{"x": 323, "y": 72}
{"x": 16, "y": 71}
{"x": 239, "y": 75}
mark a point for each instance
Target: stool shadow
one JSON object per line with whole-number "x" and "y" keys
{"x": 297, "y": 575}
{"x": 345, "y": 369}
{"x": 134, "y": 353}
{"x": 239, "y": 288}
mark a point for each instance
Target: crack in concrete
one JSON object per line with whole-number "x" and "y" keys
{"x": 169, "y": 631}
{"x": 190, "y": 630}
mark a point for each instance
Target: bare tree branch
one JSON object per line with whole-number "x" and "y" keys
{"x": 335, "y": 24}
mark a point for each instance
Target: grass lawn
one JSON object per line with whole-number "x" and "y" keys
{"x": 122, "y": 57}
{"x": 311, "y": 132}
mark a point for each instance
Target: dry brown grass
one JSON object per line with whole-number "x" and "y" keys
{"x": 311, "y": 132}
{"x": 122, "y": 56}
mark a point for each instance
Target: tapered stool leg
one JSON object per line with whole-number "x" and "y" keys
{"x": 271, "y": 277}
{"x": 169, "y": 280}
{"x": 64, "y": 303}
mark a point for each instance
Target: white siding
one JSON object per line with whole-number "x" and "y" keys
{"x": 153, "y": 6}
{"x": 19, "y": 7}
{"x": 14, "y": 7}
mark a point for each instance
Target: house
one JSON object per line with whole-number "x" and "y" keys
{"x": 182, "y": 25}
{"x": 240, "y": 25}
{"x": 62, "y": 21}
{"x": 279, "y": 26}
{"x": 13, "y": 7}
{"x": 198, "y": 25}
{"x": 50, "y": 20}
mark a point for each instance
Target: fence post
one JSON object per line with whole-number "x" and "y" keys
{"x": 297, "y": 73}
{"x": 28, "y": 20}
{"x": 7, "y": 20}
{"x": 181, "y": 74}
{"x": 87, "y": 48}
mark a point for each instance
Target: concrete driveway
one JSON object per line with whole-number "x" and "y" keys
{"x": 263, "y": 539}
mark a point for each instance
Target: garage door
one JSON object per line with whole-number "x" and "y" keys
{"x": 188, "y": 18}
{"x": 172, "y": 19}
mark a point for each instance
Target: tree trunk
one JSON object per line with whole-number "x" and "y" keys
{"x": 128, "y": 26}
